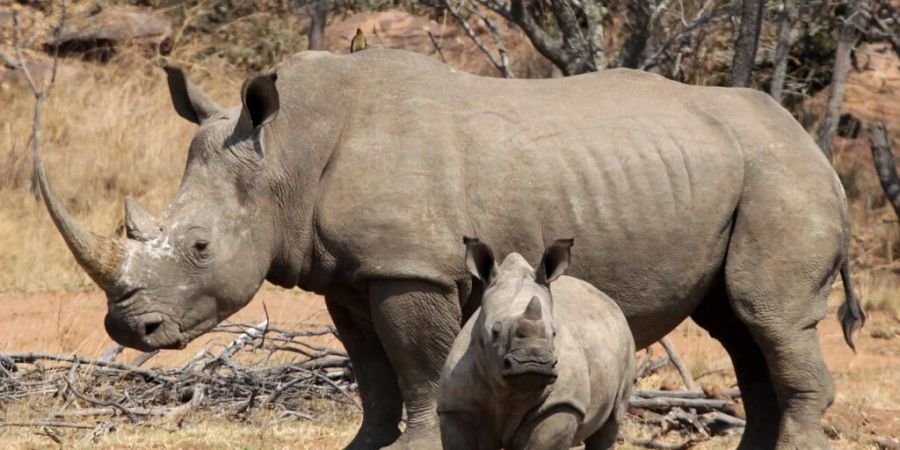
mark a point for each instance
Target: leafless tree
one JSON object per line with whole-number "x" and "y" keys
{"x": 637, "y": 22}
{"x": 318, "y": 16}
{"x": 882, "y": 22}
{"x": 782, "y": 48}
{"x": 746, "y": 43}
{"x": 847, "y": 39}
{"x": 573, "y": 41}
{"x": 880, "y": 141}
{"x": 501, "y": 59}
{"x": 40, "y": 92}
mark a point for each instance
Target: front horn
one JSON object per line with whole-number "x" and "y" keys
{"x": 101, "y": 257}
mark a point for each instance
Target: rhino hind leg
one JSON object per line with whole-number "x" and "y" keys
{"x": 758, "y": 393}
{"x": 785, "y": 252}
{"x": 417, "y": 323}
{"x": 381, "y": 399}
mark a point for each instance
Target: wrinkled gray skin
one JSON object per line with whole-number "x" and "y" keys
{"x": 354, "y": 176}
{"x": 546, "y": 363}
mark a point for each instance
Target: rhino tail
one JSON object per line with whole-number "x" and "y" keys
{"x": 850, "y": 314}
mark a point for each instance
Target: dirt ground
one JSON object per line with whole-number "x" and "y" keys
{"x": 868, "y": 392}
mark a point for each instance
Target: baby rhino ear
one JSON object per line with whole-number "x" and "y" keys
{"x": 480, "y": 260}
{"x": 555, "y": 261}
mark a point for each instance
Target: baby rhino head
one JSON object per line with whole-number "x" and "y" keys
{"x": 515, "y": 331}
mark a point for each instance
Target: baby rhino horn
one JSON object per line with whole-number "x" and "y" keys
{"x": 533, "y": 310}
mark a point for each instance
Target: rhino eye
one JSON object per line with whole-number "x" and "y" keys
{"x": 495, "y": 330}
{"x": 200, "y": 247}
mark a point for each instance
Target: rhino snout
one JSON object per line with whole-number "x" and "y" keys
{"x": 529, "y": 369}
{"x": 145, "y": 332}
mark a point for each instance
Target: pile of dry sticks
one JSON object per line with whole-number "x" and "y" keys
{"x": 97, "y": 394}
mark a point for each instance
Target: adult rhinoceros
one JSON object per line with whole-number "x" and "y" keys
{"x": 356, "y": 177}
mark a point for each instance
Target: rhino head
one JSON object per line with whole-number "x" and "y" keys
{"x": 515, "y": 331}
{"x": 174, "y": 277}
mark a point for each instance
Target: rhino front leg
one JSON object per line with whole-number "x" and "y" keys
{"x": 460, "y": 431}
{"x": 553, "y": 431}
{"x": 382, "y": 403}
{"x": 417, "y": 322}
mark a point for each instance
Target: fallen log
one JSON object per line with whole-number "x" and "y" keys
{"x": 666, "y": 403}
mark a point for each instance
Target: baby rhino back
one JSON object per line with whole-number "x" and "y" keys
{"x": 596, "y": 333}
{"x": 547, "y": 362}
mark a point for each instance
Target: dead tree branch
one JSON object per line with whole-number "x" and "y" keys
{"x": 747, "y": 41}
{"x": 849, "y": 35}
{"x": 41, "y": 92}
{"x": 679, "y": 364}
{"x": 501, "y": 60}
{"x": 880, "y": 141}
{"x": 656, "y": 55}
{"x": 318, "y": 16}
{"x": 782, "y": 48}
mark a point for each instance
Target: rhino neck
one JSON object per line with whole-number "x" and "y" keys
{"x": 303, "y": 141}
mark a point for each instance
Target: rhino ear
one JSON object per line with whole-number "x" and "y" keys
{"x": 554, "y": 262}
{"x": 189, "y": 100}
{"x": 480, "y": 260}
{"x": 260, "y": 101}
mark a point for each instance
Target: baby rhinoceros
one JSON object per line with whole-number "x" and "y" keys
{"x": 546, "y": 363}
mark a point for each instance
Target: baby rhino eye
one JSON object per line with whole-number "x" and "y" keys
{"x": 495, "y": 330}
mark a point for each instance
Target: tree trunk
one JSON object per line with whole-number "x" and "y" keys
{"x": 746, "y": 42}
{"x": 880, "y": 140}
{"x": 785, "y": 22}
{"x": 638, "y": 25}
{"x": 846, "y": 41}
{"x": 318, "y": 15}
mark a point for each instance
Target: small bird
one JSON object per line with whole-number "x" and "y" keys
{"x": 359, "y": 41}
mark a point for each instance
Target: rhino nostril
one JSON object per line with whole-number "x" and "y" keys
{"x": 150, "y": 327}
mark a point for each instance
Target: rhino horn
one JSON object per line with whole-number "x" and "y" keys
{"x": 101, "y": 257}
{"x": 140, "y": 225}
{"x": 533, "y": 310}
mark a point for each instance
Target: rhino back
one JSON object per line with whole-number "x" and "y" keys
{"x": 642, "y": 171}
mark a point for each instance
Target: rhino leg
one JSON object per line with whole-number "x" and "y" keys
{"x": 605, "y": 437}
{"x": 417, "y": 322}
{"x": 784, "y": 253}
{"x": 460, "y": 431}
{"x": 552, "y": 431}
{"x": 382, "y": 403}
{"x": 758, "y": 393}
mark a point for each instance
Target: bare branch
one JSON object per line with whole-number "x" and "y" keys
{"x": 498, "y": 40}
{"x": 501, "y": 62}
{"x": 747, "y": 42}
{"x": 679, "y": 364}
{"x": 655, "y": 56}
{"x": 783, "y": 46}
{"x": 847, "y": 39}
{"x": 883, "y": 158}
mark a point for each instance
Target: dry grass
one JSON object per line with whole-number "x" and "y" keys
{"x": 332, "y": 429}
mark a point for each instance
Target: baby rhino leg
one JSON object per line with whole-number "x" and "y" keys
{"x": 552, "y": 431}
{"x": 460, "y": 432}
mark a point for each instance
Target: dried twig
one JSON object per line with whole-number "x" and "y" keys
{"x": 47, "y": 424}
{"x": 679, "y": 364}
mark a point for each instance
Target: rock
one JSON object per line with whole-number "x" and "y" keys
{"x": 102, "y": 32}
{"x": 401, "y": 30}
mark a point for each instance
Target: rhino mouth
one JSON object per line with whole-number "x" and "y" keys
{"x": 527, "y": 372}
